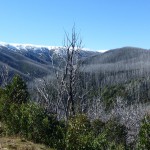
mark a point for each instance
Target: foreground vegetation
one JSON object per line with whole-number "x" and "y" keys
{"x": 15, "y": 143}
{"x": 21, "y": 117}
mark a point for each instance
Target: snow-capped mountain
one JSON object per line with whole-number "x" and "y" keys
{"x": 34, "y": 60}
{"x": 39, "y": 48}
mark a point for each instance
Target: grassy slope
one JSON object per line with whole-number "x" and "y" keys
{"x": 12, "y": 143}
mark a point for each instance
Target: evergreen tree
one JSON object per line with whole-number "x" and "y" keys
{"x": 16, "y": 92}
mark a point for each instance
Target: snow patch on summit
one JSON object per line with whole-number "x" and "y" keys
{"x": 58, "y": 50}
{"x": 27, "y": 47}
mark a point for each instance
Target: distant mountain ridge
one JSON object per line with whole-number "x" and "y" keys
{"x": 118, "y": 54}
{"x": 39, "y": 48}
{"x": 119, "y": 65}
{"x": 33, "y": 60}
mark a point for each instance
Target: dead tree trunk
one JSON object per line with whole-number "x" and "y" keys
{"x": 69, "y": 78}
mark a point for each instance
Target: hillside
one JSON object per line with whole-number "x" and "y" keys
{"x": 121, "y": 55}
{"x": 119, "y": 65}
{"x": 14, "y": 143}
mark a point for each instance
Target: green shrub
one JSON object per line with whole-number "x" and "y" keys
{"x": 144, "y": 134}
{"x": 116, "y": 132}
{"x": 16, "y": 91}
{"x": 109, "y": 94}
{"x": 100, "y": 142}
{"x": 78, "y": 136}
{"x": 112, "y": 135}
{"x": 97, "y": 126}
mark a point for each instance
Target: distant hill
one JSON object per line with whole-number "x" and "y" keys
{"x": 117, "y": 55}
{"x": 120, "y": 64}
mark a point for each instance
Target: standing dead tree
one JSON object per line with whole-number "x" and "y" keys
{"x": 68, "y": 77}
{"x": 4, "y": 75}
{"x": 62, "y": 94}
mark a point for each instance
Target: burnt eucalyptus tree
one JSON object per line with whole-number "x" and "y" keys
{"x": 64, "y": 93}
{"x": 68, "y": 76}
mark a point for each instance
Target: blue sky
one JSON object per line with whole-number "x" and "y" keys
{"x": 103, "y": 24}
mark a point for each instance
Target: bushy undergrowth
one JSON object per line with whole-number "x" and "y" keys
{"x": 21, "y": 117}
{"x": 96, "y": 135}
{"x": 27, "y": 119}
{"x": 144, "y": 134}
{"x": 79, "y": 134}
{"x": 30, "y": 121}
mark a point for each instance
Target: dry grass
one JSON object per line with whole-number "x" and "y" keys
{"x": 19, "y": 144}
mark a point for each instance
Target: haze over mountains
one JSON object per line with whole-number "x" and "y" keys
{"x": 36, "y": 61}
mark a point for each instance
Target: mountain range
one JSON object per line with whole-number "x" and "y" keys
{"x": 33, "y": 60}
{"x": 114, "y": 65}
